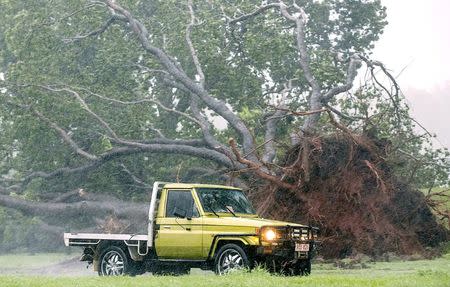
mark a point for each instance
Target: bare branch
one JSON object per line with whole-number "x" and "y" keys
{"x": 110, "y": 131}
{"x": 177, "y": 85}
{"x": 271, "y": 124}
{"x": 421, "y": 126}
{"x": 394, "y": 97}
{"x": 136, "y": 148}
{"x": 158, "y": 132}
{"x": 88, "y": 6}
{"x": 5, "y": 191}
{"x": 193, "y": 147}
{"x": 254, "y": 13}
{"x": 194, "y": 55}
{"x": 346, "y": 130}
{"x": 68, "y": 195}
{"x": 345, "y": 116}
{"x": 188, "y": 142}
{"x": 305, "y": 113}
{"x": 149, "y": 100}
{"x": 71, "y": 209}
{"x": 63, "y": 134}
{"x": 77, "y": 96}
{"x": 167, "y": 109}
{"x": 134, "y": 177}
{"x": 149, "y": 70}
{"x": 422, "y": 161}
{"x": 352, "y": 72}
{"x": 315, "y": 99}
{"x": 205, "y": 126}
{"x": 96, "y": 32}
{"x": 304, "y": 60}
{"x": 176, "y": 71}
{"x": 257, "y": 168}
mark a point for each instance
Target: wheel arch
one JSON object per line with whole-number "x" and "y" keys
{"x": 103, "y": 244}
{"x": 246, "y": 242}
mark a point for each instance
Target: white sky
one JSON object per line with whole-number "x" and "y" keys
{"x": 418, "y": 38}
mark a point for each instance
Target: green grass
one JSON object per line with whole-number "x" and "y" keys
{"x": 399, "y": 273}
{"x": 19, "y": 261}
{"x": 257, "y": 279}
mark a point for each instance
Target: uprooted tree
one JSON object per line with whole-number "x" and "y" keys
{"x": 99, "y": 98}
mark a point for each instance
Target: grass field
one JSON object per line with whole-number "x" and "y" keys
{"x": 399, "y": 273}
{"x": 19, "y": 261}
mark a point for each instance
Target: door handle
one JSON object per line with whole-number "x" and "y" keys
{"x": 188, "y": 228}
{"x": 166, "y": 227}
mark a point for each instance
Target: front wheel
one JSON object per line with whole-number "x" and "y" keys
{"x": 230, "y": 257}
{"x": 113, "y": 262}
{"x": 301, "y": 268}
{"x": 304, "y": 267}
{"x": 287, "y": 268}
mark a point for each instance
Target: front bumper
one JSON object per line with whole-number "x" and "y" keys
{"x": 284, "y": 246}
{"x": 286, "y": 250}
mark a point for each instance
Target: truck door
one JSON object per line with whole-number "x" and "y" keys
{"x": 180, "y": 228}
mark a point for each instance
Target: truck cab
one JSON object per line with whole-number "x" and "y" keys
{"x": 212, "y": 227}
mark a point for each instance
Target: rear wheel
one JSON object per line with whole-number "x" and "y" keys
{"x": 230, "y": 257}
{"x": 114, "y": 262}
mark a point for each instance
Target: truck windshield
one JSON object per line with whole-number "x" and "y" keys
{"x": 224, "y": 200}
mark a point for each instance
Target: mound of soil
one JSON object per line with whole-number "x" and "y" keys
{"x": 347, "y": 189}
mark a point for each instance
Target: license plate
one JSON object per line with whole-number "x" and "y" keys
{"x": 301, "y": 247}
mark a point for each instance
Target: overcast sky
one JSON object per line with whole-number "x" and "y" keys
{"x": 418, "y": 38}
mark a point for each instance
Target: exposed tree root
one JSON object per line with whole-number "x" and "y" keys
{"x": 348, "y": 190}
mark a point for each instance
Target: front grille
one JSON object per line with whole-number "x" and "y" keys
{"x": 298, "y": 233}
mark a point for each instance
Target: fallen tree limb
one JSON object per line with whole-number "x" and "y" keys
{"x": 256, "y": 168}
{"x": 67, "y": 210}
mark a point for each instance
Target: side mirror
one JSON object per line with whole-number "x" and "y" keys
{"x": 178, "y": 212}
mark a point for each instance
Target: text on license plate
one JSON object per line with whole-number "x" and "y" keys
{"x": 301, "y": 247}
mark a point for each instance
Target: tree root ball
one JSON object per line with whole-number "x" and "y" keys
{"x": 348, "y": 190}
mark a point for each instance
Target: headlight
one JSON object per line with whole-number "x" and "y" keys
{"x": 270, "y": 235}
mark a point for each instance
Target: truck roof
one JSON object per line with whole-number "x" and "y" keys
{"x": 194, "y": 185}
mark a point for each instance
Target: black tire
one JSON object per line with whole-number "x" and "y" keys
{"x": 114, "y": 262}
{"x": 300, "y": 268}
{"x": 303, "y": 268}
{"x": 136, "y": 268}
{"x": 230, "y": 257}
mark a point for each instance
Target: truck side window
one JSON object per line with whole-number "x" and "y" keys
{"x": 180, "y": 200}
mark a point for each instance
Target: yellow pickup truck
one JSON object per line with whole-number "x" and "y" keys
{"x": 211, "y": 227}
